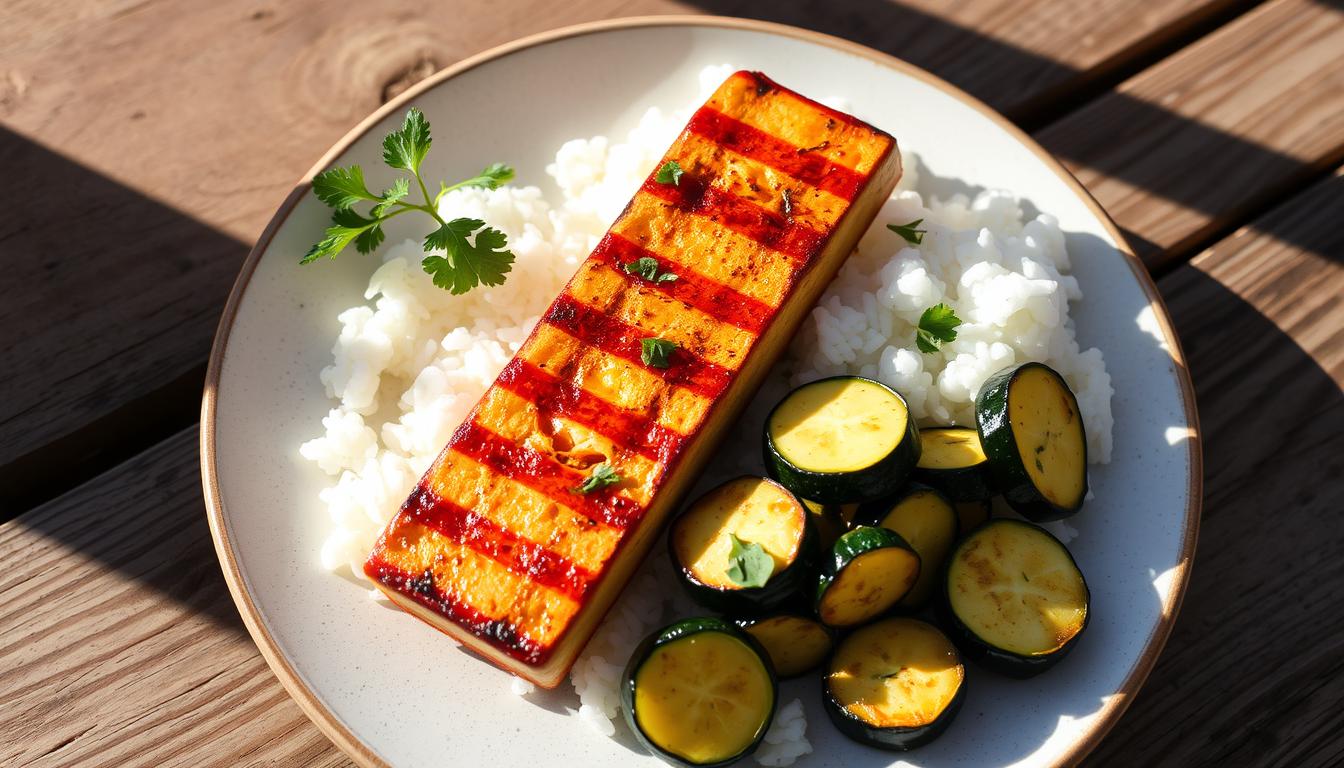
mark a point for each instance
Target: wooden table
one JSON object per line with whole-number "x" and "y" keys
{"x": 145, "y": 144}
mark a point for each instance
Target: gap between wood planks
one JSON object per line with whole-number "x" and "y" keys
{"x": 47, "y": 471}
{"x": 148, "y": 647}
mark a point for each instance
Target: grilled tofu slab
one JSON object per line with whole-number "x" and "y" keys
{"x": 499, "y": 545}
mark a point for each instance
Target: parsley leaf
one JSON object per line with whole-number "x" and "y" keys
{"x": 342, "y": 187}
{"x": 406, "y": 148}
{"x": 938, "y": 324}
{"x": 467, "y": 264}
{"x": 400, "y": 188}
{"x": 670, "y": 173}
{"x": 601, "y": 476}
{"x": 474, "y": 254}
{"x": 912, "y": 235}
{"x": 647, "y": 268}
{"x": 346, "y": 226}
{"x": 655, "y": 352}
{"x": 748, "y": 564}
{"x": 494, "y": 176}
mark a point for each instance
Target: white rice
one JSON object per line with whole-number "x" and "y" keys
{"x": 1006, "y": 279}
{"x": 411, "y": 361}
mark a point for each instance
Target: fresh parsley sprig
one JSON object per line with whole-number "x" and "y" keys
{"x": 748, "y": 564}
{"x": 669, "y": 173}
{"x": 909, "y": 231}
{"x": 647, "y": 268}
{"x": 600, "y": 476}
{"x": 937, "y": 325}
{"x": 474, "y": 254}
{"x": 656, "y": 352}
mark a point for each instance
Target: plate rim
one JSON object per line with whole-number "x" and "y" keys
{"x": 312, "y": 706}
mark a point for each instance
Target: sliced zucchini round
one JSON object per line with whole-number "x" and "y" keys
{"x": 713, "y": 542}
{"x": 951, "y": 460}
{"x": 928, "y": 522}
{"x": 831, "y": 521}
{"x": 795, "y": 644}
{"x": 700, "y": 692}
{"x": 973, "y": 514}
{"x": 894, "y": 684}
{"x": 1016, "y": 601}
{"x": 870, "y": 570}
{"x": 842, "y": 439}
{"x": 1032, "y": 433}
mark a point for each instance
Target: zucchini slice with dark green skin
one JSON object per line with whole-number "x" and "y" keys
{"x": 928, "y": 522}
{"x": 951, "y": 460}
{"x": 870, "y": 570}
{"x": 842, "y": 439}
{"x": 699, "y": 692}
{"x": 973, "y": 514}
{"x": 895, "y": 684}
{"x": 796, "y": 644}
{"x": 1032, "y": 431}
{"x": 757, "y": 511}
{"x": 1016, "y": 602}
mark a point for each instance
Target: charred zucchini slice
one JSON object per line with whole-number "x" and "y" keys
{"x": 952, "y": 460}
{"x": 870, "y": 570}
{"x": 1032, "y": 432}
{"x": 1016, "y": 601}
{"x": 842, "y": 439}
{"x": 928, "y": 522}
{"x": 699, "y": 692}
{"x": 707, "y": 540}
{"x": 894, "y": 684}
{"x": 973, "y": 514}
{"x": 795, "y": 644}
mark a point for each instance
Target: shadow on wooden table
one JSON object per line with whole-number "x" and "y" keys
{"x": 1252, "y": 650}
{"x": 54, "y": 258}
{"x": 960, "y": 56}
{"x": 125, "y": 225}
{"x": 1255, "y": 582}
{"x": 144, "y": 521}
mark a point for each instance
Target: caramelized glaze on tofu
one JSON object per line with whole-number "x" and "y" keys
{"x": 498, "y": 546}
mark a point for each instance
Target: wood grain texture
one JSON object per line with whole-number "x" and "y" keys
{"x": 1214, "y": 134}
{"x": 126, "y": 645}
{"x": 119, "y": 642}
{"x": 1251, "y": 673}
{"x": 163, "y": 136}
{"x": 167, "y": 134}
{"x": 172, "y": 130}
{"x": 1018, "y": 57}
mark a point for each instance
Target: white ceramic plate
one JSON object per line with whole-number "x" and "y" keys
{"x": 389, "y": 690}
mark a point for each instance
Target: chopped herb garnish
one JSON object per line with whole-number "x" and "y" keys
{"x": 912, "y": 236}
{"x": 748, "y": 564}
{"x": 601, "y": 476}
{"x": 670, "y": 173}
{"x": 647, "y": 268}
{"x": 786, "y": 202}
{"x": 655, "y": 352}
{"x": 474, "y": 254}
{"x": 937, "y": 325}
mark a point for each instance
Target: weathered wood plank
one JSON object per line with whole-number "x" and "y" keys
{"x": 1250, "y": 675}
{"x": 115, "y": 622}
{"x": 1018, "y": 57}
{"x": 119, "y": 643}
{"x": 163, "y": 135}
{"x": 1211, "y": 136}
